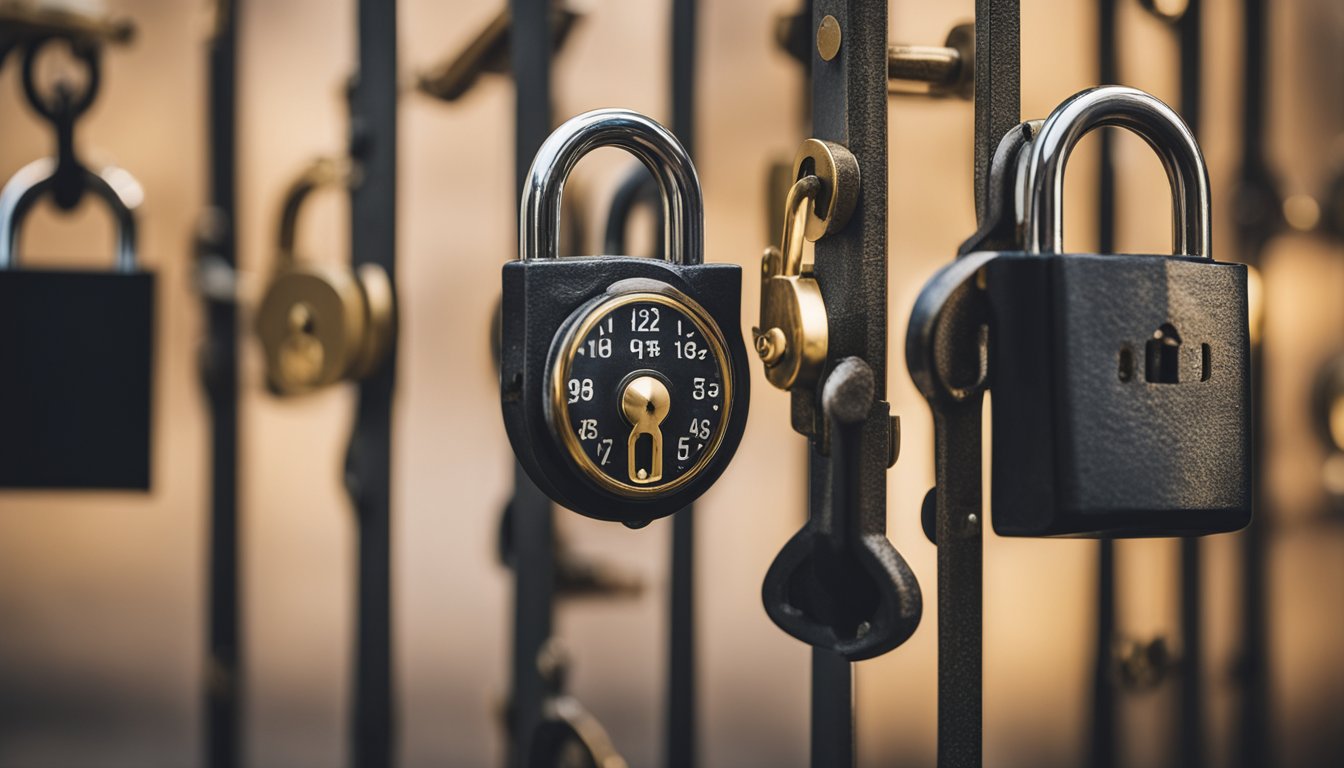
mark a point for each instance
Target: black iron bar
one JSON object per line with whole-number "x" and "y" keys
{"x": 681, "y": 732}
{"x": 219, "y": 363}
{"x": 531, "y": 514}
{"x": 1191, "y": 738}
{"x": 373, "y": 135}
{"x": 1258, "y": 219}
{"x": 1104, "y": 691}
{"x": 849, "y": 106}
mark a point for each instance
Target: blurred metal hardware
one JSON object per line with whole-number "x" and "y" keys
{"x": 946, "y": 71}
{"x": 217, "y": 283}
{"x": 488, "y": 52}
{"x": 81, "y": 341}
{"x": 32, "y": 22}
{"x": 321, "y": 323}
{"x": 372, "y": 99}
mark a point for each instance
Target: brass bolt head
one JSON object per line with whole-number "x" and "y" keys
{"x": 828, "y": 38}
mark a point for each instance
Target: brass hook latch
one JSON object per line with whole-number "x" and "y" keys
{"x": 792, "y": 338}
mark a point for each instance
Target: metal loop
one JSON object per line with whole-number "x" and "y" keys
{"x": 654, "y": 145}
{"x": 117, "y": 187}
{"x": 323, "y": 172}
{"x": 1154, "y": 122}
{"x": 53, "y": 110}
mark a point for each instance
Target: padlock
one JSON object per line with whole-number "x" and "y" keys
{"x": 321, "y": 323}
{"x": 623, "y": 381}
{"x": 76, "y": 351}
{"x": 1120, "y": 383}
{"x": 793, "y": 336}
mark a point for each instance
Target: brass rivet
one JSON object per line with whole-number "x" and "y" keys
{"x": 828, "y": 38}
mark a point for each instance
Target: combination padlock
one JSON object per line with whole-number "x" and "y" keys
{"x": 76, "y": 351}
{"x": 1120, "y": 383}
{"x": 321, "y": 323}
{"x": 623, "y": 381}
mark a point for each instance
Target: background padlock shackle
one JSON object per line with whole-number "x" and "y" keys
{"x": 1154, "y": 122}
{"x": 654, "y": 145}
{"x": 116, "y": 186}
{"x": 321, "y": 173}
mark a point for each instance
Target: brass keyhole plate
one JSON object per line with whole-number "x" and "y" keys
{"x": 640, "y": 381}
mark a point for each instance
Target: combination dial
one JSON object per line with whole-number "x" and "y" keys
{"x": 640, "y": 390}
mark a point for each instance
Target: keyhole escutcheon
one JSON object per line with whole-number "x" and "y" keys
{"x": 645, "y": 403}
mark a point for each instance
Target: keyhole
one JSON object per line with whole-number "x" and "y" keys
{"x": 301, "y": 353}
{"x": 645, "y": 403}
{"x": 1163, "y": 356}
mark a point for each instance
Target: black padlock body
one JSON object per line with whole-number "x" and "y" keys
{"x": 1121, "y": 395}
{"x": 538, "y": 297}
{"x": 76, "y": 368}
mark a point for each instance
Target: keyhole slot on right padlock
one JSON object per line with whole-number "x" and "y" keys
{"x": 645, "y": 403}
{"x": 1165, "y": 356}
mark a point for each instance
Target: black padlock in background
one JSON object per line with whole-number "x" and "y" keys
{"x": 76, "y": 352}
{"x": 1120, "y": 383}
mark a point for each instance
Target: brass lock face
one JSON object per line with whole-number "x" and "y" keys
{"x": 792, "y": 339}
{"x": 320, "y": 324}
{"x": 308, "y": 323}
{"x": 646, "y": 374}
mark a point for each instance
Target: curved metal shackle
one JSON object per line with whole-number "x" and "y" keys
{"x": 654, "y": 145}
{"x": 1154, "y": 122}
{"x": 116, "y": 186}
{"x": 323, "y": 172}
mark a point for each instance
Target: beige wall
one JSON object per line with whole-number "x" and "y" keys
{"x": 101, "y": 610}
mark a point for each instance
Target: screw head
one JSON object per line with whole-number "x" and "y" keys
{"x": 828, "y": 38}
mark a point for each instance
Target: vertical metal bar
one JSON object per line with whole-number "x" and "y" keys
{"x": 681, "y": 737}
{"x": 832, "y": 710}
{"x": 960, "y": 546}
{"x": 1103, "y": 681}
{"x": 998, "y": 101}
{"x": 532, "y": 516}
{"x": 849, "y": 107}
{"x": 223, "y": 726}
{"x": 1191, "y": 742}
{"x": 373, "y": 135}
{"x": 1259, "y": 219}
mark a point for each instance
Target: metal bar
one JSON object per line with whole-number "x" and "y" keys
{"x": 1259, "y": 220}
{"x": 681, "y": 731}
{"x": 997, "y": 86}
{"x": 957, "y": 442}
{"x": 1103, "y": 737}
{"x": 373, "y": 135}
{"x": 1191, "y": 742}
{"x": 832, "y": 709}
{"x": 957, "y": 447}
{"x": 223, "y": 684}
{"x": 849, "y": 107}
{"x": 532, "y": 516}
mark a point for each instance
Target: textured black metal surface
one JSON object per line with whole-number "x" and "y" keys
{"x": 1259, "y": 219}
{"x": 948, "y": 360}
{"x": 997, "y": 86}
{"x": 539, "y": 296}
{"x": 1102, "y": 738}
{"x": 680, "y": 740}
{"x": 1080, "y": 451}
{"x": 530, "y": 510}
{"x": 837, "y": 585}
{"x": 849, "y": 107}
{"x": 219, "y": 375}
{"x": 373, "y": 138}
{"x": 77, "y": 351}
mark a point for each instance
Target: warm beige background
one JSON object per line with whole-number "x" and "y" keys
{"x": 101, "y": 610}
